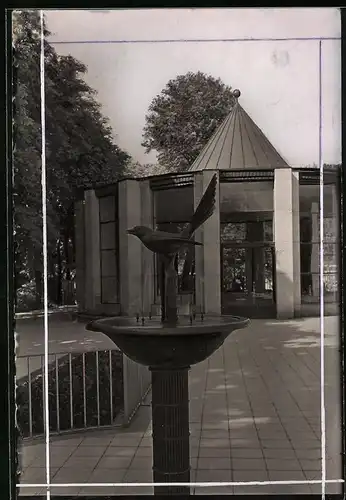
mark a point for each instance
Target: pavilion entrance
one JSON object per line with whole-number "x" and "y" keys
{"x": 248, "y": 269}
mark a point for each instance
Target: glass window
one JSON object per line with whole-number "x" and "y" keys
{"x": 109, "y": 287}
{"x": 108, "y": 263}
{"x": 246, "y": 197}
{"x": 108, "y": 236}
{"x": 109, "y": 253}
{"x": 174, "y": 205}
{"x": 309, "y": 201}
{"x": 107, "y": 208}
{"x": 255, "y": 231}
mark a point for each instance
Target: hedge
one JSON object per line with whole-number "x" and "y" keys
{"x": 77, "y": 393}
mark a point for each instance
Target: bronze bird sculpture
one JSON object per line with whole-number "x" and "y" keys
{"x": 168, "y": 244}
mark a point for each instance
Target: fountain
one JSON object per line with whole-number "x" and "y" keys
{"x": 169, "y": 345}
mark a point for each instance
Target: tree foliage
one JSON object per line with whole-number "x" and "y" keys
{"x": 136, "y": 169}
{"x": 183, "y": 117}
{"x": 80, "y": 151}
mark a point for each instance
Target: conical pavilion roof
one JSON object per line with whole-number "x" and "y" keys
{"x": 238, "y": 144}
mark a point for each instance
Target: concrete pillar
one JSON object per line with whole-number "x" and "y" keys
{"x": 286, "y": 237}
{"x": 315, "y": 253}
{"x": 80, "y": 255}
{"x": 148, "y": 278}
{"x": 130, "y": 251}
{"x": 297, "y": 292}
{"x": 208, "y": 261}
{"x": 92, "y": 252}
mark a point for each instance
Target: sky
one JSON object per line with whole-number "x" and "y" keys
{"x": 279, "y": 80}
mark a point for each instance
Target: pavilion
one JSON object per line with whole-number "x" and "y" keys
{"x": 260, "y": 253}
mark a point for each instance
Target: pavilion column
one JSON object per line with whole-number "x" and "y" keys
{"x": 207, "y": 258}
{"x": 315, "y": 250}
{"x": 80, "y": 254}
{"x": 92, "y": 252}
{"x": 287, "y": 238}
{"x": 148, "y": 278}
{"x": 130, "y": 252}
{"x": 296, "y": 244}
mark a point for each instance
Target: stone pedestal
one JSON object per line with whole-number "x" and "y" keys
{"x": 170, "y": 429}
{"x": 207, "y": 257}
{"x": 287, "y": 242}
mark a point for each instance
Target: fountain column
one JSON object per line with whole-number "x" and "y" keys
{"x": 170, "y": 429}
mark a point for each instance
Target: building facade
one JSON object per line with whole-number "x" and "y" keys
{"x": 261, "y": 247}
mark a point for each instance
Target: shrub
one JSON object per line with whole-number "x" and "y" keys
{"x": 37, "y": 395}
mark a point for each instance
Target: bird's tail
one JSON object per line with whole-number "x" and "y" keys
{"x": 204, "y": 210}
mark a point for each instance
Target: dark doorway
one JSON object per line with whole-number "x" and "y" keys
{"x": 248, "y": 269}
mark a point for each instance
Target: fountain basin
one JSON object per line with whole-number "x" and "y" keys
{"x": 163, "y": 346}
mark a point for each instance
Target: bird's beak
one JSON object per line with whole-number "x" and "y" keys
{"x": 130, "y": 231}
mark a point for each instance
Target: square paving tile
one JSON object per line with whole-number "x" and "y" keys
{"x": 89, "y": 451}
{"x": 311, "y": 464}
{"x": 100, "y": 491}
{"x": 250, "y": 475}
{"x": 138, "y": 476}
{"x": 214, "y": 453}
{"x": 141, "y": 463}
{"x": 244, "y": 443}
{"x": 248, "y": 464}
{"x": 215, "y": 443}
{"x": 286, "y": 475}
{"x": 277, "y": 464}
{"x": 72, "y": 475}
{"x": 144, "y": 452}
{"x": 279, "y": 453}
{"x": 114, "y": 462}
{"x": 67, "y": 441}
{"x": 84, "y": 462}
{"x": 206, "y": 476}
{"x": 97, "y": 441}
{"x": 213, "y": 463}
{"x": 214, "y": 490}
{"x": 105, "y": 475}
{"x": 252, "y": 490}
{"x": 33, "y": 475}
{"x": 214, "y": 434}
{"x": 146, "y": 441}
{"x": 124, "y": 441}
{"x": 276, "y": 443}
{"x": 24, "y": 492}
{"x": 117, "y": 451}
{"x": 246, "y": 453}
{"x": 65, "y": 490}
{"x": 290, "y": 489}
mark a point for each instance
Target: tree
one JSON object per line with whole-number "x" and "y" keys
{"x": 80, "y": 150}
{"x": 183, "y": 117}
{"x": 136, "y": 169}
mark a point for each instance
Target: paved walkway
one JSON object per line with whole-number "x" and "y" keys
{"x": 254, "y": 416}
{"x": 65, "y": 335}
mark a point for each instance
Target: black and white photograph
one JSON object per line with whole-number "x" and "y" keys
{"x": 177, "y": 228}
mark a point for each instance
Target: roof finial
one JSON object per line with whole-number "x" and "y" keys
{"x": 236, "y": 93}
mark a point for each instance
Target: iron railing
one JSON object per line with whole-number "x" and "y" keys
{"x": 87, "y": 390}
